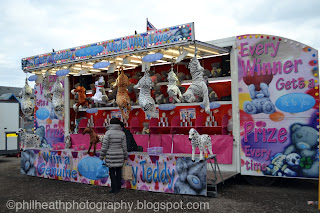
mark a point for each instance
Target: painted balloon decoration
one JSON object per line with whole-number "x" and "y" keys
{"x": 256, "y": 79}
{"x": 213, "y": 105}
{"x": 33, "y": 78}
{"x": 90, "y": 162}
{"x": 42, "y": 113}
{"x": 92, "y": 110}
{"x": 312, "y": 92}
{"x": 152, "y": 57}
{"x": 295, "y": 102}
{"x": 102, "y": 64}
{"x": 62, "y": 72}
{"x": 94, "y": 50}
{"x": 167, "y": 106}
{"x": 277, "y": 116}
{"x": 245, "y": 117}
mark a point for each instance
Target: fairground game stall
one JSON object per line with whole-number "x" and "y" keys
{"x": 249, "y": 103}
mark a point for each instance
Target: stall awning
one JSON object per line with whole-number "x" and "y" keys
{"x": 126, "y": 52}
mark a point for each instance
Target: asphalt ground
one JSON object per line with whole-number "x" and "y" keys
{"x": 235, "y": 195}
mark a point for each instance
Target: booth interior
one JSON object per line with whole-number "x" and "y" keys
{"x": 161, "y": 91}
{"x": 170, "y": 129}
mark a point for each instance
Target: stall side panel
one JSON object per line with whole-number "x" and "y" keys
{"x": 47, "y": 124}
{"x": 279, "y": 107}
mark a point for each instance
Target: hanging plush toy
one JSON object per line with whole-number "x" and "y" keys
{"x": 81, "y": 97}
{"x": 123, "y": 99}
{"x": 57, "y": 102}
{"x": 100, "y": 96}
{"x": 146, "y": 102}
{"x": 173, "y": 90}
{"x": 26, "y": 104}
{"x": 198, "y": 86}
{"x": 46, "y": 87}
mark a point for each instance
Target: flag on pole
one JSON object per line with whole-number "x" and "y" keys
{"x": 150, "y": 26}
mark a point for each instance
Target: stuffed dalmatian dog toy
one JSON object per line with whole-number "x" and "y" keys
{"x": 146, "y": 102}
{"x": 198, "y": 86}
{"x": 201, "y": 141}
{"x": 173, "y": 90}
{"x": 27, "y": 138}
{"x": 57, "y": 101}
{"x": 26, "y": 104}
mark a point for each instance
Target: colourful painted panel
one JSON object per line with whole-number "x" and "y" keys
{"x": 47, "y": 125}
{"x": 161, "y": 37}
{"x": 161, "y": 173}
{"x": 279, "y": 110}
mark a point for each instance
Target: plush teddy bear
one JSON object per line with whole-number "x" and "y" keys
{"x": 40, "y": 131}
{"x": 145, "y": 129}
{"x": 212, "y": 95}
{"x": 152, "y": 72}
{"x": 181, "y": 76}
{"x": 192, "y": 177}
{"x": 159, "y": 97}
{"x": 277, "y": 165}
{"x": 137, "y": 75}
{"x": 293, "y": 165}
{"x": 207, "y": 73}
{"x": 112, "y": 95}
{"x": 159, "y": 77}
{"x": 216, "y": 70}
{"x": 188, "y": 77}
{"x": 304, "y": 142}
{"x": 111, "y": 81}
{"x": 260, "y": 101}
{"x": 164, "y": 75}
{"x": 92, "y": 88}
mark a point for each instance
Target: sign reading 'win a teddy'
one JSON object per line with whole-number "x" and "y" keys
{"x": 278, "y": 92}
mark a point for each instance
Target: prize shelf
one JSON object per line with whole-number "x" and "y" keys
{"x": 185, "y": 82}
{"x": 211, "y": 80}
{"x": 157, "y": 105}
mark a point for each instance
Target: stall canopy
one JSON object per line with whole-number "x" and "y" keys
{"x": 126, "y": 51}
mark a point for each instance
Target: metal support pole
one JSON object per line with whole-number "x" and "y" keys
{"x": 66, "y": 106}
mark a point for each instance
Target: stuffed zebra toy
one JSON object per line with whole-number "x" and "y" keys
{"x": 57, "y": 101}
{"x": 173, "y": 90}
{"x": 202, "y": 141}
{"x": 198, "y": 86}
{"x": 146, "y": 102}
{"x": 46, "y": 87}
{"x": 26, "y": 104}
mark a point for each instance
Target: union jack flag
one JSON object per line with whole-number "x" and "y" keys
{"x": 150, "y": 26}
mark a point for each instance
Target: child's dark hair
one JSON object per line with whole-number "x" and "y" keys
{"x": 115, "y": 121}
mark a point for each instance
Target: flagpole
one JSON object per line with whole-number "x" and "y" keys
{"x": 147, "y": 25}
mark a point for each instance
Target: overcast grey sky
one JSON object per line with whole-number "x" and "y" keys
{"x": 32, "y": 27}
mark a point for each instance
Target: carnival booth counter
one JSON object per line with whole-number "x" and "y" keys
{"x": 145, "y": 80}
{"x": 174, "y": 94}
